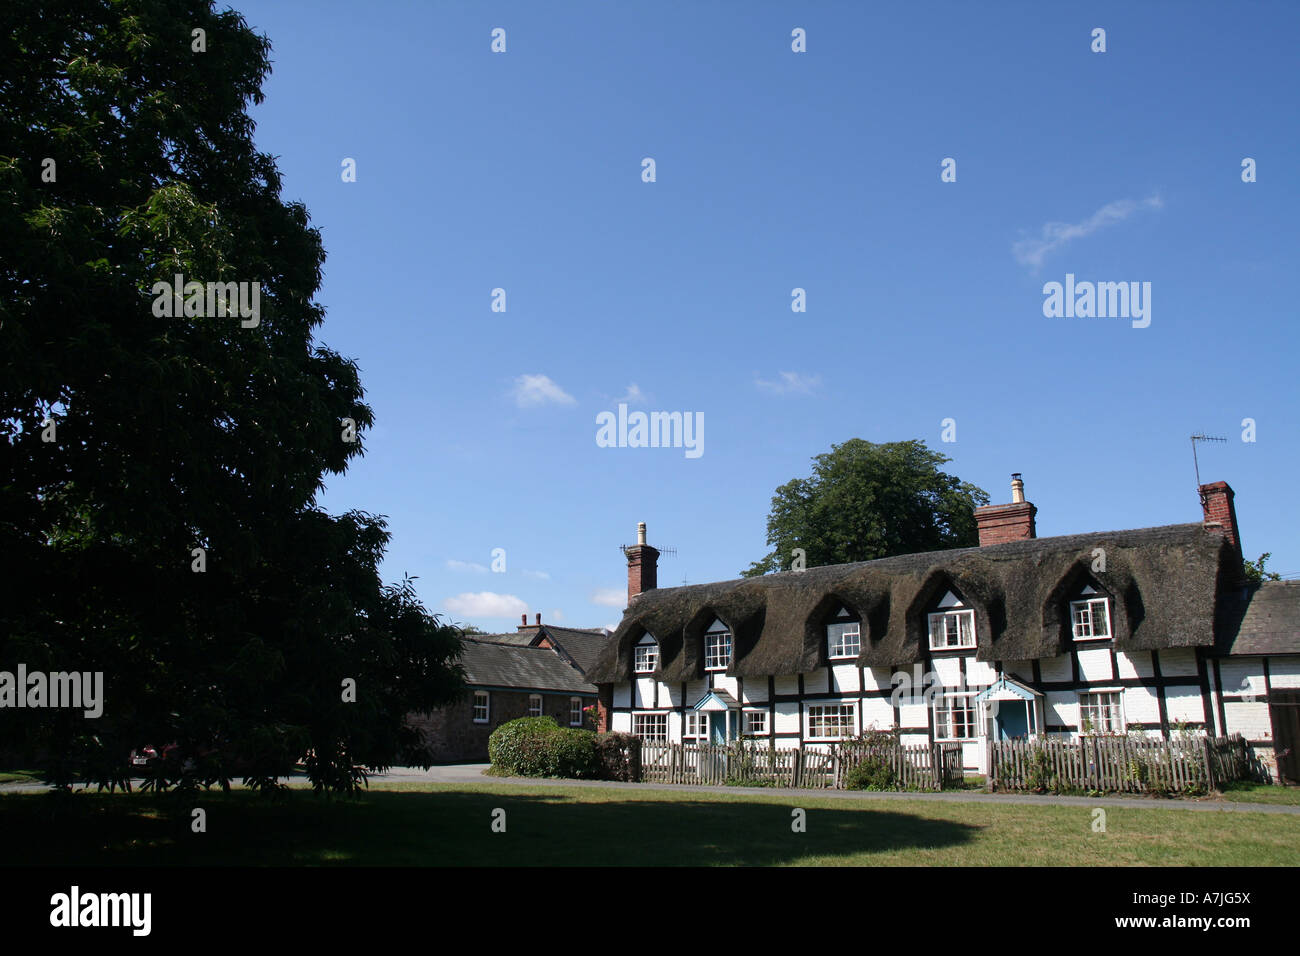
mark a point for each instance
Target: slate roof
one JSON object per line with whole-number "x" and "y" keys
{"x": 1164, "y": 581}
{"x": 1262, "y": 620}
{"x": 494, "y": 664}
{"x": 581, "y": 644}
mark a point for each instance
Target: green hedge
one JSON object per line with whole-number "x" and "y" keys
{"x": 539, "y": 747}
{"x": 618, "y": 756}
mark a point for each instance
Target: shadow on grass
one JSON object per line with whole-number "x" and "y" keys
{"x": 452, "y": 828}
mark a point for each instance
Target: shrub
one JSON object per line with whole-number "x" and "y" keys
{"x": 575, "y": 754}
{"x": 525, "y": 747}
{"x": 618, "y": 757}
{"x": 873, "y": 773}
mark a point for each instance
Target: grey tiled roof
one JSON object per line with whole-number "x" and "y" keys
{"x": 1265, "y": 620}
{"x": 489, "y": 664}
{"x": 581, "y": 644}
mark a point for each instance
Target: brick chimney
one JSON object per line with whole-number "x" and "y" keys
{"x": 1014, "y": 522}
{"x": 525, "y": 626}
{"x": 642, "y": 566}
{"x": 1221, "y": 513}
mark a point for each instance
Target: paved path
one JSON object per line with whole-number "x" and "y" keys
{"x": 473, "y": 773}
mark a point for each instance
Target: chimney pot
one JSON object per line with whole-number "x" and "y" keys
{"x": 523, "y": 620}
{"x": 539, "y": 618}
{"x": 640, "y": 532}
{"x": 1017, "y": 489}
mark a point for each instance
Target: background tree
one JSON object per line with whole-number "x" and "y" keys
{"x": 126, "y": 157}
{"x": 868, "y": 501}
{"x": 1255, "y": 573}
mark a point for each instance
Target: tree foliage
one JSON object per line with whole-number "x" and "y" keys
{"x": 866, "y": 501}
{"x": 130, "y": 440}
{"x": 1255, "y": 573}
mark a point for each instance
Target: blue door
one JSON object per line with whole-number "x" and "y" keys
{"x": 1013, "y": 721}
{"x": 718, "y": 720}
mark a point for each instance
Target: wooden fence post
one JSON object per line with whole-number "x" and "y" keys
{"x": 988, "y": 766}
{"x": 1208, "y": 751}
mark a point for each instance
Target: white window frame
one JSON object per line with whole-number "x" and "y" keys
{"x": 575, "y": 711}
{"x": 1116, "y": 719}
{"x": 718, "y": 634}
{"x": 855, "y": 633}
{"x": 487, "y": 707}
{"x": 657, "y": 717}
{"x": 747, "y": 719}
{"x": 695, "y": 726}
{"x": 972, "y": 722}
{"x": 534, "y": 705}
{"x": 842, "y": 707}
{"x": 959, "y": 616}
{"x": 1086, "y": 604}
{"x": 646, "y": 655}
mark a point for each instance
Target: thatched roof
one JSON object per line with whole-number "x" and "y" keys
{"x": 1164, "y": 581}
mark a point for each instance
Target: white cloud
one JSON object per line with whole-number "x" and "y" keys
{"x": 536, "y": 575}
{"x": 485, "y": 604}
{"x": 790, "y": 383}
{"x": 609, "y": 597}
{"x": 633, "y": 396}
{"x": 1054, "y": 235}
{"x": 533, "y": 390}
{"x": 466, "y": 566}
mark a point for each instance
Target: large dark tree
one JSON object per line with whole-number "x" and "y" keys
{"x": 127, "y": 157}
{"x": 867, "y": 501}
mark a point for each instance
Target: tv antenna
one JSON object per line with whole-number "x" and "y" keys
{"x": 1199, "y": 436}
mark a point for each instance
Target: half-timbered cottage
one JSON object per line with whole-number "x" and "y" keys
{"x": 1151, "y": 630}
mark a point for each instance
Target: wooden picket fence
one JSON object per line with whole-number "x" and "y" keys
{"x": 918, "y": 767}
{"x": 1120, "y": 764}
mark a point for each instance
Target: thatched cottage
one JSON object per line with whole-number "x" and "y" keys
{"x": 1151, "y": 630}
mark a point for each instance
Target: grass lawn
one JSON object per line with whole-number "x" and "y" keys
{"x": 1244, "y": 792}
{"x": 19, "y": 776}
{"x": 450, "y": 825}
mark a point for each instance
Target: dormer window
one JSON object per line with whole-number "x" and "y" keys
{"x": 1090, "y": 615}
{"x": 952, "y": 626}
{"x": 843, "y": 636}
{"x": 647, "y": 655}
{"x": 717, "y": 647}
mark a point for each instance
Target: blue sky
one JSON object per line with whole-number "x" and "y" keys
{"x": 778, "y": 170}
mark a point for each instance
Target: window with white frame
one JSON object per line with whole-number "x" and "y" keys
{"x": 480, "y": 707}
{"x": 952, "y": 629}
{"x": 831, "y": 721}
{"x": 647, "y": 655}
{"x": 843, "y": 636}
{"x": 717, "y": 647}
{"x": 956, "y": 717}
{"x": 651, "y": 727}
{"x": 575, "y": 711}
{"x": 755, "y": 723}
{"x": 1091, "y": 618}
{"x": 1100, "y": 713}
{"x": 696, "y": 726}
{"x": 534, "y": 705}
